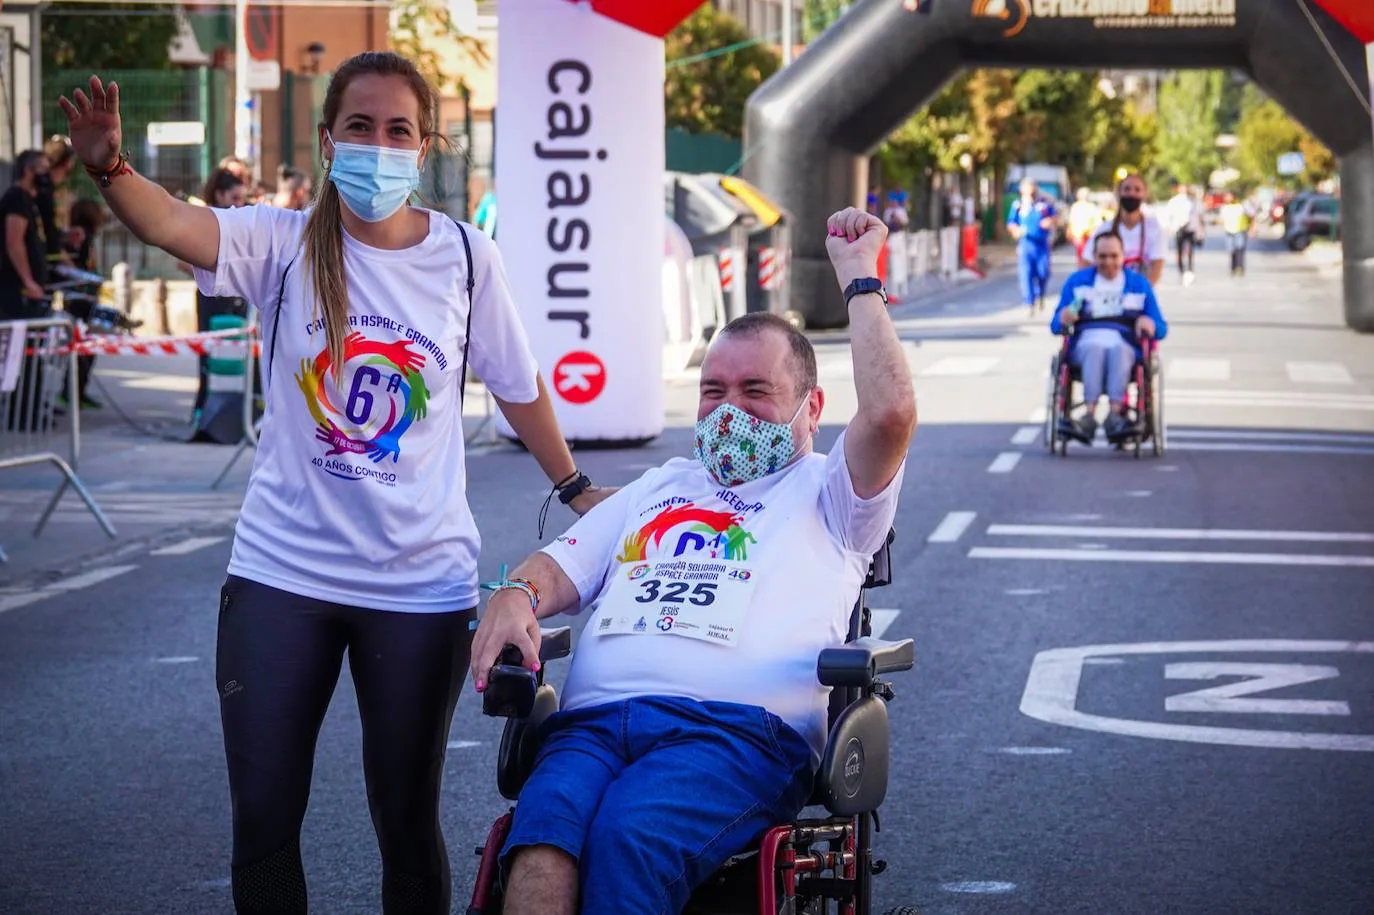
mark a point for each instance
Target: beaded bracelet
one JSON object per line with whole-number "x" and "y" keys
{"x": 514, "y": 584}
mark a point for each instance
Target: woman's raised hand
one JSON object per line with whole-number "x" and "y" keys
{"x": 93, "y": 124}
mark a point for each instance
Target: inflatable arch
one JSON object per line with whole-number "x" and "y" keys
{"x": 811, "y": 127}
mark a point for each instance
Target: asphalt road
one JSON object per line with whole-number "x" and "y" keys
{"x": 1028, "y": 777}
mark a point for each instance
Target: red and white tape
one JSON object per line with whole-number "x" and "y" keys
{"x": 199, "y": 344}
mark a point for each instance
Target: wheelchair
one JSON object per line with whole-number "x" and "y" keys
{"x": 1144, "y": 401}
{"x": 798, "y": 868}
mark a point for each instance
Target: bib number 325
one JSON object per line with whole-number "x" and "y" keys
{"x": 706, "y": 600}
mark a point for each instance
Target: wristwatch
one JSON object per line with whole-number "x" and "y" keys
{"x": 573, "y": 487}
{"x": 861, "y": 286}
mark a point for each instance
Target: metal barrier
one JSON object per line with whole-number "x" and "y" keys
{"x": 35, "y": 358}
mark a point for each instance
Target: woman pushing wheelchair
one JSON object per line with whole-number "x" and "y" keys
{"x": 1109, "y": 312}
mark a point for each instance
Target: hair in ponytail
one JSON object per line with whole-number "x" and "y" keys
{"x": 324, "y": 250}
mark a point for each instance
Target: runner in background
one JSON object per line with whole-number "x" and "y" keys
{"x": 1141, "y": 234}
{"x": 1031, "y": 222}
{"x": 1238, "y": 222}
{"x": 1183, "y": 217}
{"x": 1084, "y": 217}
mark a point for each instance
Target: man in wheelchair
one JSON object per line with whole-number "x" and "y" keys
{"x": 1107, "y": 310}
{"x": 692, "y": 717}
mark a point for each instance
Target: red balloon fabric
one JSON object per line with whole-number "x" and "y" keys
{"x": 1355, "y": 15}
{"x": 654, "y": 17}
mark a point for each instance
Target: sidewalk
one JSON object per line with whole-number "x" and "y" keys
{"x": 152, "y": 485}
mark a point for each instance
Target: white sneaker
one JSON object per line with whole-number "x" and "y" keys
{"x": 1188, "y": 278}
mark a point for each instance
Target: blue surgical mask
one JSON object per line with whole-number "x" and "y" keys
{"x": 374, "y": 181}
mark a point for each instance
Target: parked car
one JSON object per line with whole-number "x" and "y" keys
{"x": 1311, "y": 216}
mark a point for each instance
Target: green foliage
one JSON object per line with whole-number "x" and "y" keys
{"x": 1266, "y": 132}
{"x": 819, "y": 15}
{"x": 420, "y": 29}
{"x": 100, "y": 38}
{"x": 1190, "y": 103}
{"x": 712, "y": 68}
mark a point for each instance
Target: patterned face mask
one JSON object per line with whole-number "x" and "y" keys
{"x": 737, "y": 447}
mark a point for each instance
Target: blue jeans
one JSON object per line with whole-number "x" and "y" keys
{"x": 1033, "y": 270}
{"x": 651, "y": 795}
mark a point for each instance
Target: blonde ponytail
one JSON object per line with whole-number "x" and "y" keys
{"x": 324, "y": 260}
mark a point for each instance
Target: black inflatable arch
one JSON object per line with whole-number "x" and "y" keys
{"x": 812, "y": 126}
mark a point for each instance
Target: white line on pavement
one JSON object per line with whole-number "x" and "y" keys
{"x": 1176, "y": 533}
{"x": 1270, "y": 399}
{"x": 463, "y": 744}
{"x": 76, "y": 582}
{"x": 1244, "y": 435}
{"x": 1005, "y": 462}
{"x": 1026, "y": 435}
{"x": 1277, "y": 559}
{"x": 189, "y": 545}
{"x": 952, "y": 527}
{"x": 1039, "y": 414}
{"x": 1267, "y": 448}
{"x": 880, "y": 620}
{"x": 1184, "y": 369}
{"x": 959, "y": 366}
{"x": 1318, "y": 373}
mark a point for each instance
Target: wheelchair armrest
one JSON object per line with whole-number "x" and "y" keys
{"x": 856, "y": 664}
{"x": 555, "y": 643}
{"x": 512, "y": 687}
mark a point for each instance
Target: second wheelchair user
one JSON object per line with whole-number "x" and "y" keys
{"x": 692, "y": 719}
{"x": 1107, "y": 309}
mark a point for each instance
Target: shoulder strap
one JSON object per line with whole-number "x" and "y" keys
{"x": 467, "y": 331}
{"x": 276, "y": 319}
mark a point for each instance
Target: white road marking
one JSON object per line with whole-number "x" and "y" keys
{"x": 186, "y": 546}
{"x": 174, "y": 383}
{"x": 1268, "y": 448}
{"x": 1140, "y": 493}
{"x": 1051, "y": 695}
{"x": 1229, "y": 698}
{"x": 978, "y": 886}
{"x": 463, "y": 744}
{"x": 1024, "y": 592}
{"x": 1269, "y": 399}
{"x": 1034, "y": 751}
{"x": 1040, "y": 414}
{"x": 1277, "y": 559}
{"x": 951, "y": 527}
{"x": 1242, "y": 435}
{"x": 1026, "y": 435}
{"x": 1318, "y": 373}
{"x": 1175, "y": 533}
{"x": 179, "y": 659}
{"x": 959, "y": 366}
{"x": 75, "y": 583}
{"x": 880, "y": 620}
{"x": 1185, "y": 369}
{"x": 1005, "y": 462}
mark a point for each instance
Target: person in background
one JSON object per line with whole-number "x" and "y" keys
{"x": 1031, "y": 222}
{"x": 293, "y": 189}
{"x": 1238, "y": 222}
{"x": 895, "y": 217}
{"x": 23, "y": 270}
{"x": 485, "y": 216}
{"x": 87, "y": 216}
{"x": 56, "y": 241}
{"x": 1183, "y": 217}
{"x": 1084, "y": 216}
{"x": 223, "y": 189}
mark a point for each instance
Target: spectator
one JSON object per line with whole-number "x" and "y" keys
{"x": 293, "y": 189}
{"x": 24, "y": 267}
{"x": 87, "y": 216}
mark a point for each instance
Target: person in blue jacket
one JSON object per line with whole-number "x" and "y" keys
{"x": 1107, "y": 309}
{"x": 1031, "y": 222}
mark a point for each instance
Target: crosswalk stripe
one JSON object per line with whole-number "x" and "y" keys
{"x": 1175, "y": 533}
{"x": 1167, "y": 556}
{"x": 1318, "y": 373}
{"x": 959, "y": 366}
{"x": 1243, "y": 435}
{"x": 1197, "y": 369}
{"x": 1268, "y": 448}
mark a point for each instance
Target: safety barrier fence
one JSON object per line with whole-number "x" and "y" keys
{"x": 926, "y": 259}
{"x": 36, "y": 366}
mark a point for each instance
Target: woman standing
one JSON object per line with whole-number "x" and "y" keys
{"x": 355, "y": 534}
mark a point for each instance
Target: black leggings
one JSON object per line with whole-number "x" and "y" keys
{"x": 276, "y": 666}
{"x": 1186, "y": 241}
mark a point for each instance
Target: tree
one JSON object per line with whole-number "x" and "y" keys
{"x": 819, "y": 15}
{"x": 1266, "y": 132}
{"x": 1189, "y": 106}
{"x": 424, "y": 32}
{"x": 713, "y": 66}
{"x": 108, "y": 36}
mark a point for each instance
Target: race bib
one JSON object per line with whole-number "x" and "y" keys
{"x": 706, "y": 600}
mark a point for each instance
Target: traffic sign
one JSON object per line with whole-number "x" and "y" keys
{"x": 262, "y": 31}
{"x": 1291, "y": 164}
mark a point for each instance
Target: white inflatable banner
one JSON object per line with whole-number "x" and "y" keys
{"x": 579, "y": 175}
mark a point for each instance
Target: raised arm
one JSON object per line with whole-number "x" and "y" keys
{"x": 186, "y": 232}
{"x": 878, "y": 437}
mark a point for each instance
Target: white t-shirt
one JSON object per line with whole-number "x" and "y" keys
{"x": 1182, "y": 213}
{"x": 803, "y": 535}
{"x": 1106, "y": 299}
{"x": 358, "y": 490}
{"x": 1138, "y": 254}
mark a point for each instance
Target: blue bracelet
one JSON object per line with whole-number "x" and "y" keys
{"x": 506, "y": 584}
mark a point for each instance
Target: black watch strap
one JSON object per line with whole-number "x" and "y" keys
{"x": 865, "y": 285}
{"x": 571, "y": 490}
